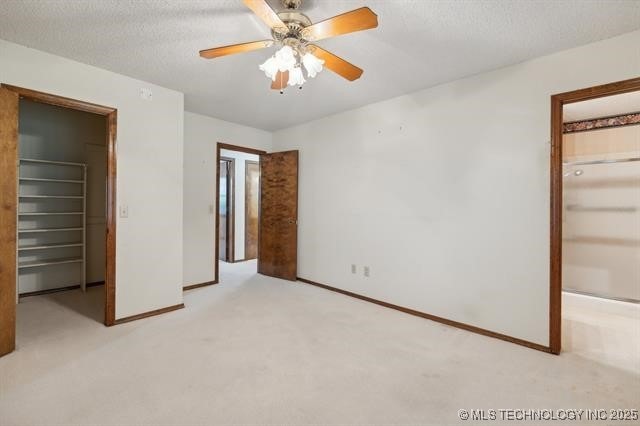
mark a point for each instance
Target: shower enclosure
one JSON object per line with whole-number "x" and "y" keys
{"x": 601, "y": 214}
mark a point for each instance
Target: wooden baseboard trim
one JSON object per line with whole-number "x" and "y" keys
{"x": 192, "y": 286}
{"x": 58, "y": 290}
{"x": 452, "y": 323}
{"x": 149, "y": 314}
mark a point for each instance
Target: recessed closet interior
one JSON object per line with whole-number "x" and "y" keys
{"x": 62, "y": 194}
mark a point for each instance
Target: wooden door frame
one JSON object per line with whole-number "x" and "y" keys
{"x": 246, "y": 208}
{"x": 555, "y": 270}
{"x": 111, "y": 117}
{"x": 231, "y": 209}
{"x": 219, "y": 147}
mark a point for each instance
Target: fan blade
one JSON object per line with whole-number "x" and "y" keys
{"x": 235, "y": 48}
{"x": 268, "y": 16}
{"x": 356, "y": 20}
{"x": 336, "y": 63}
{"x": 282, "y": 78}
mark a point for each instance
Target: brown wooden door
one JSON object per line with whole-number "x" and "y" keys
{"x": 251, "y": 208}
{"x": 8, "y": 201}
{"x": 278, "y": 242}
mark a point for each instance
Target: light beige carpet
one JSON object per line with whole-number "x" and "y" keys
{"x": 256, "y": 350}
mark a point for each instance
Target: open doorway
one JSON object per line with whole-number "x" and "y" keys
{"x": 58, "y": 231}
{"x": 238, "y": 208}
{"x": 595, "y": 218}
{"x": 257, "y": 211}
{"x": 238, "y": 196}
{"x": 226, "y": 194}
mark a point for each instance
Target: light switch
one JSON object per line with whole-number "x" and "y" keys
{"x": 124, "y": 211}
{"x": 211, "y": 209}
{"x": 146, "y": 94}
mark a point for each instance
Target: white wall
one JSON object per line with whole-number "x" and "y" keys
{"x": 149, "y": 178}
{"x": 239, "y": 185}
{"x": 444, "y": 193}
{"x": 201, "y": 134}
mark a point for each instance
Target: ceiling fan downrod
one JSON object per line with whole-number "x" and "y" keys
{"x": 291, "y": 4}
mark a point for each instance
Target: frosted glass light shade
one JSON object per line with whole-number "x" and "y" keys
{"x": 270, "y": 68}
{"x": 295, "y": 77}
{"x": 312, "y": 64}
{"x": 285, "y": 59}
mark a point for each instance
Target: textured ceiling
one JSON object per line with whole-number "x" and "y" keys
{"x": 418, "y": 44}
{"x": 602, "y": 107}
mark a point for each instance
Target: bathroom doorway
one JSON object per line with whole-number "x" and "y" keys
{"x": 595, "y": 222}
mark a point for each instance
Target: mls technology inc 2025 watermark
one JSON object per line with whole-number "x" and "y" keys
{"x": 529, "y": 415}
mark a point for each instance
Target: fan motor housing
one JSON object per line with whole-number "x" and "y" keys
{"x": 295, "y": 22}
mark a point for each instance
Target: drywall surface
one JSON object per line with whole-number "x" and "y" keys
{"x": 201, "y": 134}
{"x": 239, "y": 201}
{"x": 444, "y": 193}
{"x": 54, "y": 133}
{"x": 149, "y": 175}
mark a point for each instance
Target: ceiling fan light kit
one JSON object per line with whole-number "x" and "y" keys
{"x": 294, "y": 32}
{"x": 288, "y": 59}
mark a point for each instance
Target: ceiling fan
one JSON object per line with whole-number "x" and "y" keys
{"x": 295, "y": 33}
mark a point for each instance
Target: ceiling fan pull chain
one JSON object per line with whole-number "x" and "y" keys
{"x": 282, "y": 86}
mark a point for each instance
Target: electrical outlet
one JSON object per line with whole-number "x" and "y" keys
{"x": 353, "y": 268}
{"x": 124, "y": 211}
{"x": 366, "y": 271}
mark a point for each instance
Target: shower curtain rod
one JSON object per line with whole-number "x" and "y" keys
{"x": 585, "y": 163}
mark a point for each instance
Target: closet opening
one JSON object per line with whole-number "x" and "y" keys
{"x": 595, "y": 240}
{"x": 59, "y": 184}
